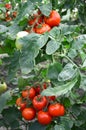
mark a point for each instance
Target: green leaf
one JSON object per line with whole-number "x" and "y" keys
{"x": 13, "y": 66}
{"x": 67, "y": 73}
{"x": 55, "y": 33}
{"x": 53, "y": 70}
{"x": 59, "y": 127}
{"x": 46, "y": 9}
{"x": 60, "y": 90}
{"x": 3, "y": 29}
{"x": 68, "y": 29}
{"x": 11, "y": 116}
{"x": 3, "y": 99}
{"x": 72, "y": 53}
{"x": 13, "y": 30}
{"x": 42, "y": 40}
{"x": 82, "y": 55}
{"x": 52, "y": 46}
{"x": 37, "y": 126}
{"x": 66, "y": 122}
{"x": 29, "y": 52}
{"x": 83, "y": 82}
{"x": 84, "y": 63}
{"x": 24, "y": 10}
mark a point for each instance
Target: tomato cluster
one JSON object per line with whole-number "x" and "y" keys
{"x": 35, "y": 106}
{"x": 9, "y": 15}
{"x": 40, "y": 24}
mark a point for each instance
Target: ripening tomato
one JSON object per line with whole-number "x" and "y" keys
{"x": 14, "y": 14}
{"x": 25, "y": 93}
{"x": 43, "y": 28}
{"x": 44, "y": 118}
{"x": 39, "y": 102}
{"x": 29, "y": 93}
{"x": 56, "y": 109}
{"x": 8, "y": 6}
{"x": 28, "y": 113}
{"x": 53, "y": 20}
{"x": 32, "y": 93}
{"x": 8, "y": 19}
{"x": 20, "y": 103}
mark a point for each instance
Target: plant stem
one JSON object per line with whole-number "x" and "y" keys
{"x": 70, "y": 61}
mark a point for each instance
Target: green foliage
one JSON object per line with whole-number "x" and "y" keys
{"x": 57, "y": 57}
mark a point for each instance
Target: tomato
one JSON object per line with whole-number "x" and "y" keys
{"x": 20, "y": 103}
{"x": 62, "y": 110}
{"x": 29, "y": 93}
{"x": 25, "y": 93}
{"x": 14, "y": 14}
{"x": 38, "y": 90}
{"x": 8, "y": 6}
{"x": 32, "y": 93}
{"x": 44, "y": 118}
{"x": 8, "y": 19}
{"x": 43, "y": 28}
{"x": 39, "y": 102}
{"x": 36, "y": 19}
{"x": 51, "y": 98}
{"x": 53, "y": 20}
{"x": 28, "y": 113}
{"x": 56, "y": 110}
{"x": 44, "y": 85}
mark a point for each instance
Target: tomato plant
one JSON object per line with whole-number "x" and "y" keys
{"x": 43, "y": 52}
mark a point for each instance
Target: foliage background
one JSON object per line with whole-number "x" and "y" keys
{"x": 60, "y": 57}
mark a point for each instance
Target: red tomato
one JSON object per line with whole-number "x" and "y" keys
{"x": 51, "y": 98}
{"x": 38, "y": 90}
{"x": 44, "y": 118}
{"x": 44, "y": 85}
{"x": 43, "y": 28}
{"x": 29, "y": 93}
{"x": 53, "y": 20}
{"x": 62, "y": 110}
{"x": 32, "y": 93}
{"x": 8, "y": 6}
{"x": 56, "y": 110}
{"x": 25, "y": 93}
{"x": 20, "y": 103}
{"x": 39, "y": 102}
{"x": 28, "y": 113}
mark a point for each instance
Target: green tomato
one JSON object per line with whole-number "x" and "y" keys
{"x": 3, "y": 87}
{"x": 20, "y": 35}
